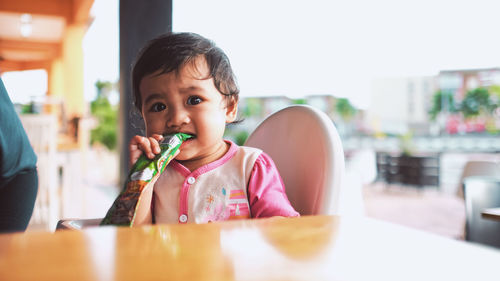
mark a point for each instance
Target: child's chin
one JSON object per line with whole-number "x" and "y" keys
{"x": 183, "y": 156}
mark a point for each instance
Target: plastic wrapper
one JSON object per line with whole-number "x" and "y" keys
{"x": 144, "y": 173}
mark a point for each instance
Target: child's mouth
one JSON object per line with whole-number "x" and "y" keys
{"x": 193, "y": 136}
{"x": 186, "y": 142}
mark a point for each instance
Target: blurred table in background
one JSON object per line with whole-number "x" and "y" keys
{"x": 481, "y": 193}
{"x": 306, "y": 248}
{"x": 492, "y": 213}
{"x": 415, "y": 170}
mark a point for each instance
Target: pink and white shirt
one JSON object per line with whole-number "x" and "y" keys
{"x": 244, "y": 183}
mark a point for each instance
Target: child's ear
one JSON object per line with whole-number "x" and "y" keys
{"x": 231, "y": 110}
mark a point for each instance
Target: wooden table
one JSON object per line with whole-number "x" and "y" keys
{"x": 307, "y": 248}
{"x": 491, "y": 213}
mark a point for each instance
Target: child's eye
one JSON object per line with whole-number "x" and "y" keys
{"x": 157, "y": 107}
{"x": 193, "y": 100}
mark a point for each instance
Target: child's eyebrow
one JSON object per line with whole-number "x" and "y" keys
{"x": 152, "y": 97}
{"x": 190, "y": 89}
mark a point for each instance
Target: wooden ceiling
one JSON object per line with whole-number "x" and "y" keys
{"x": 46, "y": 22}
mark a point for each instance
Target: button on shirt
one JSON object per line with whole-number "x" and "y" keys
{"x": 183, "y": 218}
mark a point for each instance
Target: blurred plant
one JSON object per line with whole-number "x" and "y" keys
{"x": 299, "y": 101}
{"x": 252, "y": 107}
{"x": 476, "y": 102}
{"x": 442, "y": 101}
{"x": 28, "y": 108}
{"x": 495, "y": 89}
{"x": 238, "y": 135}
{"x": 491, "y": 126}
{"x": 107, "y": 116}
{"x": 345, "y": 109}
{"x": 406, "y": 143}
{"x": 495, "y": 95}
{"x": 241, "y": 137}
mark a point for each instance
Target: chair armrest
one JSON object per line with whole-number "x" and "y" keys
{"x": 77, "y": 224}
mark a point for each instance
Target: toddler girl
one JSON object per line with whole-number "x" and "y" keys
{"x": 183, "y": 83}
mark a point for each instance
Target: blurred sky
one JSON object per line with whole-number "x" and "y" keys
{"x": 337, "y": 47}
{"x": 101, "y": 48}
{"x": 296, "y": 48}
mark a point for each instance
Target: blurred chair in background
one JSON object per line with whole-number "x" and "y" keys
{"x": 478, "y": 168}
{"x": 481, "y": 193}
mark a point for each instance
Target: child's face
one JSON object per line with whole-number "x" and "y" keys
{"x": 186, "y": 102}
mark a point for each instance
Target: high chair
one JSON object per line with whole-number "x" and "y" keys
{"x": 307, "y": 150}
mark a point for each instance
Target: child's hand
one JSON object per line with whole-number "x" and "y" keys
{"x": 148, "y": 145}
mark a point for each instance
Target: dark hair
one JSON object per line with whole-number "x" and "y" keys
{"x": 171, "y": 51}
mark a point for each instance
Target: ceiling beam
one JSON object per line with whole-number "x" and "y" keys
{"x": 52, "y": 50}
{"x": 58, "y": 8}
{"x": 6, "y": 65}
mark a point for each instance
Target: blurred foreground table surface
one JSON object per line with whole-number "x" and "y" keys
{"x": 307, "y": 248}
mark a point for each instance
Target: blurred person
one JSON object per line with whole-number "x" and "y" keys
{"x": 183, "y": 83}
{"x": 18, "y": 173}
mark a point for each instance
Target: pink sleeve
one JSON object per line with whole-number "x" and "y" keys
{"x": 266, "y": 191}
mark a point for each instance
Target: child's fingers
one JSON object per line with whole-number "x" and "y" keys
{"x": 155, "y": 146}
{"x": 143, "y": 144}
{"x": 155, "y": 141}
{"x": 157, "y": 137}
{"x": 135, "y": 149}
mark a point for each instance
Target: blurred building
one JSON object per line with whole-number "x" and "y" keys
{"x": 400, "y": 105}
{"x": 47, "y": 35}
{"x": 459, "y": 82}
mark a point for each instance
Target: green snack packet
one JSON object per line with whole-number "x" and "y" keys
{"x": 144, "y": 172}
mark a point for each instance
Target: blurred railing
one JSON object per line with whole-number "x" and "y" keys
{"x": 42, "y": 133}
{"x": 467, "y": 143}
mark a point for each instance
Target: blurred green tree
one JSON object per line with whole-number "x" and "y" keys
{"x": 299, "y": 101}
{"x": 476, "y": 102}
{"x": 442, "y": 101}
{"x": 252, "y": 107}
{"x": 345, "y": 109}
{"x": 495, "y": 95}
{"x": 106, "y": 114}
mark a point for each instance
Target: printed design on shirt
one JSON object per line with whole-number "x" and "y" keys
{"x": 238, "y": 205}
{"x": 227, "y": 204}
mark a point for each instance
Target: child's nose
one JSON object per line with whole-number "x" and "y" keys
{"x": 177, "y": 117}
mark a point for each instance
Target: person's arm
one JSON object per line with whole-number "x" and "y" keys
{"x": 17, "y": 199}
{"x": 18, "y": 173}
{"x": 266, "y": 191}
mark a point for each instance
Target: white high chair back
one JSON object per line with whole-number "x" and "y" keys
{"x": 307, "y": 150}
